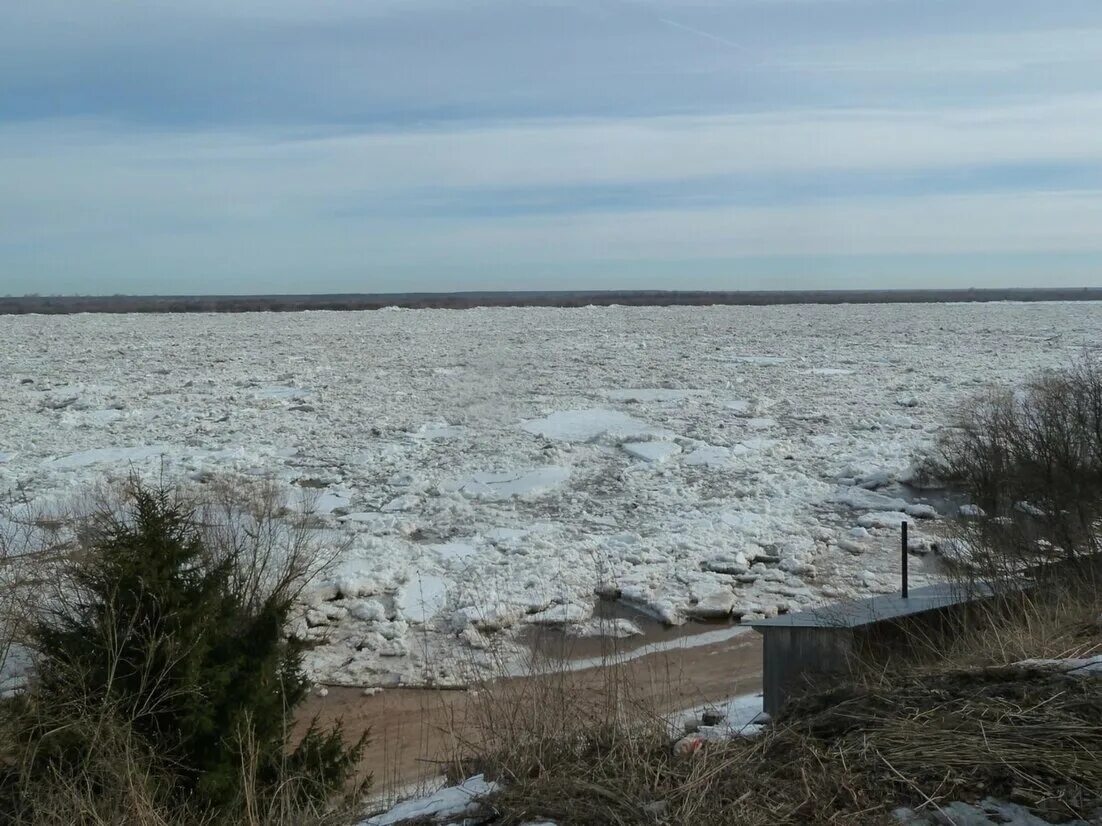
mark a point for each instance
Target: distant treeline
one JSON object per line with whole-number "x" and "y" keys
{"x": 60, "y": 305}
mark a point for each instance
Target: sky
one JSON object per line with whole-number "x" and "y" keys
{"x": 312, "y": 146}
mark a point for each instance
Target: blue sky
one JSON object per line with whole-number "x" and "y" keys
{"x": 241, "y": 146}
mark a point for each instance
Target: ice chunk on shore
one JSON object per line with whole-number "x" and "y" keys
{"x": 861, "y": 499}
{"x": 883, "y": 519}
{"x": 921, "y": 511}
{"x": 618, "y": 628}
{"x": 560, "y": 615}
{"x": 716, "y": 604}
{"x": 423, "y": 597}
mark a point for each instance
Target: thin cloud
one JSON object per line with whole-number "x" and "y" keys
{"x": 715, "y": 38}
{"x": 435, "y": 140}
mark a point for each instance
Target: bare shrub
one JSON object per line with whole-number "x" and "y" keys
{"x": 267, "y": 545}
{"x": 1030, "y": 458}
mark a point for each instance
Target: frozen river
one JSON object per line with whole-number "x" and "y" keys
{"x": 498, "y": 468}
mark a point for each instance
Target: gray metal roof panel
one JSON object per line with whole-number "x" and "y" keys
{"x": 876, "y": 609}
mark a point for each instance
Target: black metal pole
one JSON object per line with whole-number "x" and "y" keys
{"x": 904, "y": 559}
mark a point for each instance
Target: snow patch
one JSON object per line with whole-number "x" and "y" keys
{"x": 451, "y": 802}
{"x": 988, "y": 812}
{"x": 1074, "y": 666}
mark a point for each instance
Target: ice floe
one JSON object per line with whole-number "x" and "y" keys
{"x": 109, "y": 455}
{"x": 423, "y": 597}
{"x": 709, "y": 456}
{"x": 651, "y": 451}
{"x": 469, "y": 470}
{"x": 492, "y": 485}
{"x": 591, "y": 425}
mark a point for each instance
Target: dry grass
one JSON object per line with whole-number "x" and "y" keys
{"x": 961, "y": 723}
{"x": 850, "y": 756}
{"x": 1055, "y": 622}
{"x": 122, "y": 783}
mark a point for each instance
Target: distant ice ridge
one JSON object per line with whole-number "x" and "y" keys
{"x": 484, "y": 467}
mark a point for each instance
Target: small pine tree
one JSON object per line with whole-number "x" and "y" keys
{"x": 156, "y": 632}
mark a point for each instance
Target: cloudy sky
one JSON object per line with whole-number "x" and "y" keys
{"x": 245, "y": 146}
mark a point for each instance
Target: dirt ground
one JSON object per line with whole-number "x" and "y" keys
{"x": 413, "y": 730}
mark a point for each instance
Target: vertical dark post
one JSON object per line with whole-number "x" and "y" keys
{"x": 904, "y": 559}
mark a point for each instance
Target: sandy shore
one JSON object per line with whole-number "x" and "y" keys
{"x": 413, "y": 730}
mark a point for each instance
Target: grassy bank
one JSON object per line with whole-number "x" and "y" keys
{"x": 968, "y": 719}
